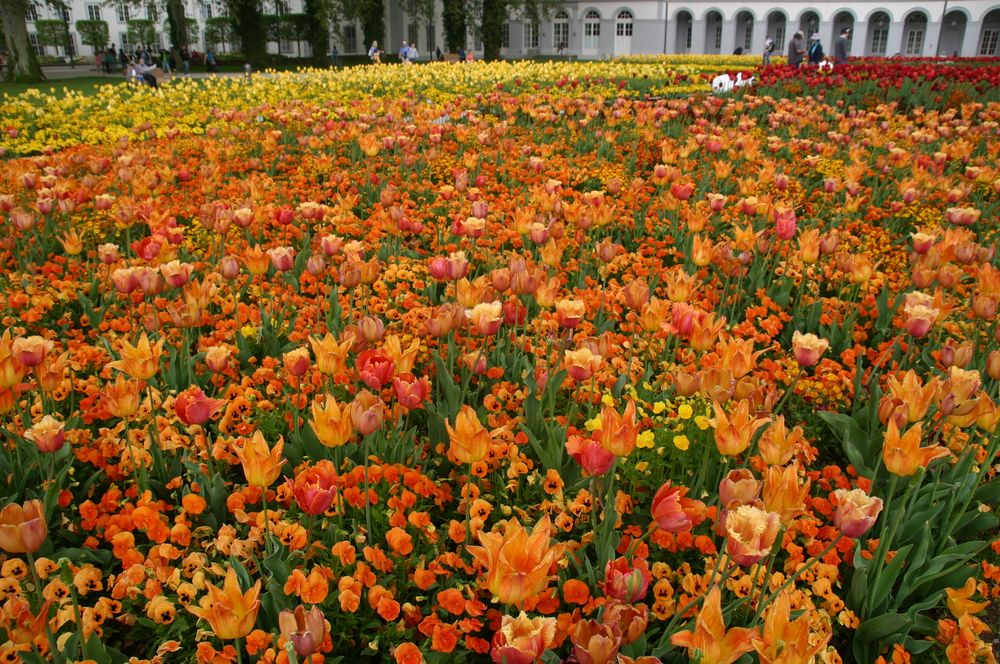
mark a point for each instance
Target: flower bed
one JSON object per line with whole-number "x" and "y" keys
{"x": 507, "y": 362}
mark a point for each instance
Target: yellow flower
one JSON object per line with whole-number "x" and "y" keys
{"x": 248, "y": 331}
{"x": 608, "y": 400}
{"x": 681, "y": 442}
{"x": 702, "y": 422}
{"x": 685, "y": 412}
{"x": 659, "y": 407}
{"x": 645, "y": 439}
{"x": 593, "y": 424}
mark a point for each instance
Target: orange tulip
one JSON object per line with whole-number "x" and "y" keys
{"x": 30, "y": 351}
{"x": 777, "y": 444}
{"x": 121, "y": 397}
{"x": 705, "y": 332}
{"x": 808, "y": 348}
{"x": 261, "y": 464}
{"x": 367, "y": 411}
{"x": 959, "y": 600}
{"x": 783, "y": 493}
{"x": 404, "y": 358}
{"x": 618, "y": 433}
{"x": 734, "y": 431}
{"x": 23, "y": 528}
{"x": 581, "y": 364}
{"x": 710, "y": 642}
{"x": 230, "y": 612}
{"x": 517, "y": 564}
{"x": 141, "y": 361}
{"x": 787, "y": 641}
{"x": 305, "y": 629}
{"x": 470, "y": 441}
{"x": 331, "y": 355}
{"x": 750, "y": 534}
{"x": 331, "y": 421}
{"x": 48, "y": 434}
{"x": 856, "y": 511}
{"x": 522, "y": 640}
{"x": 486, "y": 318}
{"x": 596, "y": 643}
{"x": 11, "y": 370}
{"x": 903, "y": 455}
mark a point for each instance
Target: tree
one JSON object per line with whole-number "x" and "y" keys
{"x": 50, "y": 32}
{"x": 94, "y": 34}
{"x": 218, "y": 30}
{"x": 22, "y": 63}
{"x": 141, "y": 31}
{"x": 317, "y": 29}
{"x": 248, "y": 23}
{"x": 455, "y": 24}
{"x": 494, "y": 14}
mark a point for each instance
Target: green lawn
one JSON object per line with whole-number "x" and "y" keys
{"x": 87, "y": 85}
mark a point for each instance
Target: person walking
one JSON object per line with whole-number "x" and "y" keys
{"x": 374, "y": 54}
{"x": 404, "y": 53}
{"x": 186, "y": 59}
{"x": 768, "y": 50}
{"x": 210, "y": 61}
{"x": 816, "y": 53}
{"x": 796, "y": 49}
{"x": 841, "y": 47}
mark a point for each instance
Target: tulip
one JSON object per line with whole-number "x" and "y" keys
{"x": 668, "y": 510}
{"x": 367, "y": 411}
{"x": 296, "y": 361}
{"x": 11, "y": 370}
{"x": 22, "y": 527}
{"x": 903, "y": 455}
{"x": 192, "y": 406}
{"x": 783, "y": 493}
{"x": 470, "y": 441}
{"x": 261, "y": 465}
{"x": 569, "y": 313}
{"x": 517, "y": 563}
{"x": 581, "y": 364}
{"x": 626, "y": 581}
{"x": 808, "y": 348}
{"x": 229, "y": 611}
{"x": 375, "y": 368}
{"x": 590, "y": 454}
{"x": 486, "y": 317}
{"x": 176, "y": 273}
{"x": 777, "y": 444}
{"x": 596, "y": 643}
{"x": 141, "y": 361}
{"x": 750, "y": 534}
{"x": 305, "y": 629}
{"x": 522, "y": 640}
{"x": 331, "y": 422}
{"x": 315, "y": 487}
{"x": 372, "y": 329}
{"x": 783, "y": 640}
{"x": 856, "y": 511}
{"x": 739, "y": 486}
{"x": 411, "y": 393}
{"x": 734, "y": 431}
{"x": 331, "y": 355}
{"x": 618, "y": 433}
{"x": 631, "y": 620}
{"x": 217, "y": 358}
{"x": 48, "y": 434}
{"x": 30, "y": 351}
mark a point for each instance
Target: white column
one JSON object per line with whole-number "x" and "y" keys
{"x": 970, "y": 42}
{"x": 931, "y": 34}
{"x": 894, "y": 44}
{"x": 759, "y": 35}
{"x": 671, "y": 42}
{"x": 728, "y": 36}
{"x": 698, "y": 29}
{"x": 859, "y": 37}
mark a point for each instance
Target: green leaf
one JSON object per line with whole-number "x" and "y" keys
{"x": 989, "y": 492}
{"x": 887, "y": 578}
{"x": 856, "y": 443}
{"x": 880, "y": 627}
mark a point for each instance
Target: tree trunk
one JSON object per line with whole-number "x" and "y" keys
{"x": 318, "y": 30}
{"x": 248, "y": 22}
{"x": 177, "y": 23}
{"x": 494, "y": 16}
{"x": 22, "y": 65}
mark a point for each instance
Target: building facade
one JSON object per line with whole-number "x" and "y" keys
{"x": 601, "y": 29}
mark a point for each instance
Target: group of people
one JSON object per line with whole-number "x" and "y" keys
{"x": 799, "y": 51}
{"x": 407, "y": 54}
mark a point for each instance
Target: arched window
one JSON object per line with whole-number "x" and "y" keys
{"x": 591, "y": 31}
{"x": 623, "y": 25}
{"x": 560, "y": 31}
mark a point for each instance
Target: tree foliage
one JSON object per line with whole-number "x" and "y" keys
{"x": 22, "y": 63}
{"x": 456, "y": 25}
{"x": 50, "y": 32}
{"x": 141, "y": 31}
{"x": 494, "y": 13}
{"x": 219, "y": 30}
{"x": 248, "y": 24}
{"x": 94, "y": 33}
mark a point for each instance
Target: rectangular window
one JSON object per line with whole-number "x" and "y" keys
{"x": 880, "y": 38}
{"x": 914, "y": 41}
{"x": 748, "y": 40}
{"x": 623, "y": 29}
{"x": 126, "y": 45}
{"x": 779, "y": 39}
{"x": 65, "y": 14}
{"x": 152, "y": 13}
{"x": 31, "y": 14}
{"x": 350, "y": 39}
{"x": 990, "y": 40}
{"x": 690, "y": 32}
{"x": 505, "y": 36}
{"x": 285, "y": 45}
{"x": 123, "y": 14}
{"x": 431, "y": 40}
{"x": 560, "y": 35}
{"x": 718, "y": 38}
{"x": 412, "y": 31}
{"x": 36, "y": 44}
{"x": 94, "y": 12}
{"x": 530, "y": 35}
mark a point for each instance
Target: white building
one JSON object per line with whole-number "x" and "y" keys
{"x": 602, "y": 29}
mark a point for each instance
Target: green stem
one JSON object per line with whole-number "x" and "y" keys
{"x": 67, "y": 575}
{"x": 267, "y": 524}
{"x": 368, "y": 506}
{"x": 799, "y": 572}
{"x": 41, "y": 603}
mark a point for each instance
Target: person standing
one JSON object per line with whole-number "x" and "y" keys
{"x": 796, "y": 49}
{"x": 768, "y": 50}
{"x": 841, "y": 47}
{"x": 411, "y": 54}
{"x": 186, "y": 59}
{"x": 335, "y": 56}
{"x": 210, "y": 60}
{"x": 374, "y": 54}
{"x": 816, "y": 53}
